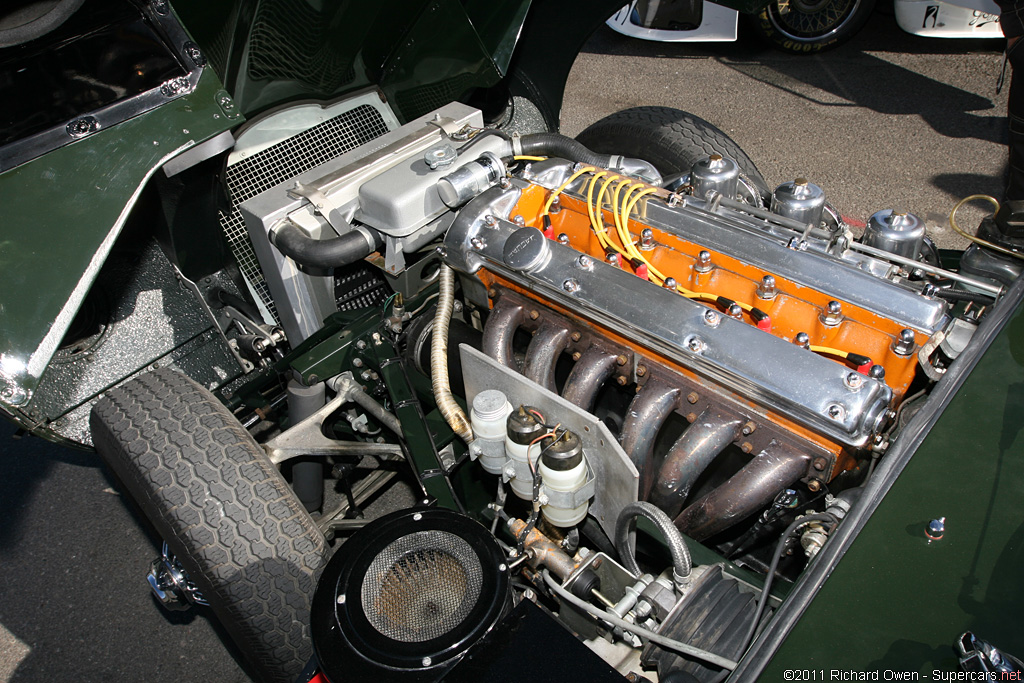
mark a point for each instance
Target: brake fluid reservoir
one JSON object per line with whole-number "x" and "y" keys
{"x": 800, "y": 200}
{"x": 488, "y": 416}
{"x": 522, "y": 428}
{"x": 716, "y": 173}
{"x": 563, "y": 469}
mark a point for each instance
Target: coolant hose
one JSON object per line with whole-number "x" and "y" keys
{"x": 333, "y": 252}
{"x": 555, "y": 145}
{"x": 439, "y": 381}
{"x": 625, "y": 533}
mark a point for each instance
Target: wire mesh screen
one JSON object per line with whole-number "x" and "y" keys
{"x": 248, "y": 177}
{"x": 421, "y": 586}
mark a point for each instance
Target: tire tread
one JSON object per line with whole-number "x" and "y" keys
{"x": 223, "y": 508}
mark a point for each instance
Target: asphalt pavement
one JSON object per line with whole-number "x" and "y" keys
{"x": 889, "y": 120}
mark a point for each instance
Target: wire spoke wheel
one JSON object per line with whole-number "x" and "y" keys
{"x": 808, "y": 26}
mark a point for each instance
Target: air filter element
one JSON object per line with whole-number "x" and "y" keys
{"x": 408, "y": 594}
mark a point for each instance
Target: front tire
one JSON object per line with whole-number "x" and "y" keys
{"x": 669, "y": 138}
{"x": 223, "y": 509}
{"x": 811, "y": 26}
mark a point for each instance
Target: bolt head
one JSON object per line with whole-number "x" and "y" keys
{"x": 563, "y": 238}
{"x": 570, "y": 285}
{"x": 692, "y": 397}
{"x": 534, "y": 315}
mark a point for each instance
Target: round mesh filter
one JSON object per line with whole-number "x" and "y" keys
{"x": 421, "y": 586}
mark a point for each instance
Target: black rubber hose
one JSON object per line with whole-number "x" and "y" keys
{"x": 625, "y": 530}
{"x": 555, "y": 145}
{"x": 333, "y": 252}
{"x": 956, "y": 295}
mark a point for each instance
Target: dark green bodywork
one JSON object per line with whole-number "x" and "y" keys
{"x": 64, "y": 210}
{"x": 897, "y": 601}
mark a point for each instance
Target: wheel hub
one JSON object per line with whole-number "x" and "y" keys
{"x": 171, "y": 584}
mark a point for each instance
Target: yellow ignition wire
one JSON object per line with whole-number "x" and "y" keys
{"x": 527, "y": 158}
{"x": 561, "y": 188}
{"x": 600, "y": 228}
{"x": 590, "y": 208}
{"x": 857, "y": 359}
{"x": 972, "y": 238}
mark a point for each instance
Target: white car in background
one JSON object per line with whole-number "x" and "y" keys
{"x": 802, "y": 26}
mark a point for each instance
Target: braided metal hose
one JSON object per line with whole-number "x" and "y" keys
{"x": 439, "y": 381}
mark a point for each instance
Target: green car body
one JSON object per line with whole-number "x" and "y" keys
{"x": 881, "y": 596}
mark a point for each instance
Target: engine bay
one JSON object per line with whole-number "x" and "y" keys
{"x": 606, "y": 346}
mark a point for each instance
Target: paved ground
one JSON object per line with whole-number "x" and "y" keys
{"x": 889, "y": 120}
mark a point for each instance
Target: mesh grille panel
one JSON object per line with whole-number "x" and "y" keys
{"x": 421, "y": 586}
{"x": 287, "y": 159}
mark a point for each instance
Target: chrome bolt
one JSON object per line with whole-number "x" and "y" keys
{"x": 735, "y": 311}
{"x": 766, "y": 289}
{"x": 341, "y": 599}
{"x": 853, "y": 380}
{"x": 478, "y": 243}
{"x": 357, "y": 362}
{"x": 802, "y": 339}
{"x": 519, "y": 220}
{"x": 504, "y": 183}
{"x": 936, "y": 529}
{"x": 571, "y": 286}
{"x": 711, "y": 318}
{"x": 696, "y": 345}
{"x": 904, "y": 346}
{"x": 490, "y": 221}
{"x": 82, "y": 127}
{"x": 836, "y": 412}
{"x": 195, "y": 54}
{"x": 417, "y": 517}
{"x": 833, "y": 314}
{"x": 563, "y": 238}
{"x": 876, "y": 372}
{"x": 613, "y": 259}
{"x": 427, "y": 661}
{"x": 670, "y": 283}
{"x": 704, "y": 264}
{"x": 647, "y": 239}
{"x": 585, "y": 262}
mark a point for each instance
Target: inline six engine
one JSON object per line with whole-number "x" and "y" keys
{"x": 684, "y": 349}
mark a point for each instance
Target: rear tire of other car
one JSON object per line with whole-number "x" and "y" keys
{"x": 669, "y": 138}
{"x": 223, "y": 509}
{"x": 811, "y": 26}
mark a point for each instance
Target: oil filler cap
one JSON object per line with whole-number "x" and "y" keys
{"x": 526, "y": 249}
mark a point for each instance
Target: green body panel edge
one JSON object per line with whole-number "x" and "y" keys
{"x": 63, "y": 211}
{"x": 897, "y": 602}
